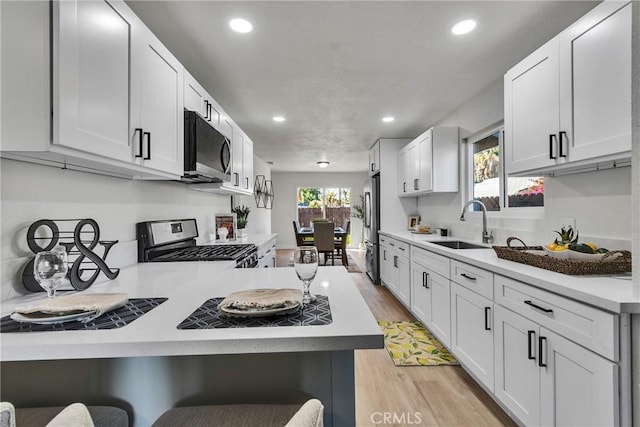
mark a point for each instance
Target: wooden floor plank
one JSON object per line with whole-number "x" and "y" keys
{"x": 410, "y": 395}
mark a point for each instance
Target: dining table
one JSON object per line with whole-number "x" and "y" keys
{"x": 339, "y": 232}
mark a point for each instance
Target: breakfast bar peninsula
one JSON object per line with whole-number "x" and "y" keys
{"x": 150, "y": 365}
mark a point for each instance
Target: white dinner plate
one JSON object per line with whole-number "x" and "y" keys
{"x": 42, "y": 319}
{"x": 261, "y": 312}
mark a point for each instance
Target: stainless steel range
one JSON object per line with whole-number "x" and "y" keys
{"x": 174, "y": 240}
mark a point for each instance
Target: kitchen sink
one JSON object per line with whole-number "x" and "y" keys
{"x": 458, "y": 244}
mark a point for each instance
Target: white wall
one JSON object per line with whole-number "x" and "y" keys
{"x": 259, "y": 218}
{"x": 31, "y": 192}
{"x": 600, "y": 201}
{"x": 286, "y": 186}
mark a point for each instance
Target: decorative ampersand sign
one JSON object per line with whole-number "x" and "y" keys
{"x": 83, "y": 254}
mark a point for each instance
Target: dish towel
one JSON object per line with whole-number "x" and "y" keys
{"x": 77, "y": 303}
{"x": 262, "y": 299}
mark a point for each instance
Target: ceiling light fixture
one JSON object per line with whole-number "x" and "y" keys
{"x": 240, "y": 25}
{"x": 278, "y": 119}
{"x": 463, "y": 27}
{"x": 323, "y": 164}
{"x": 388, "y": 119}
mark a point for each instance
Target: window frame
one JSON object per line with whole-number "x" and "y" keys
{"x": 467, "y": 193}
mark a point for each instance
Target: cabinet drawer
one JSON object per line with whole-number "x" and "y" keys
{"x": 401, "y": 248}
{"x": 595, "y": 329}
{"x": 473, "y": 278}
{"x": 432, "y": 261}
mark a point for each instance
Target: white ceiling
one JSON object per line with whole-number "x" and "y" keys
{"x": 335, "y": 68}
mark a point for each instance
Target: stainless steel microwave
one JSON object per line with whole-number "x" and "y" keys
{"x": 207, "y": 152}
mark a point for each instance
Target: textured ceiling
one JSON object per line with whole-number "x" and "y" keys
{"x": 335, "y": 68}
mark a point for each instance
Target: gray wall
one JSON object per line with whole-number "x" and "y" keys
{"x": 286, "y": 186}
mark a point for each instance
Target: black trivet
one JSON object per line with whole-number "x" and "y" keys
{"x": 118, "y": 318}
{"x": 206, "y": 317}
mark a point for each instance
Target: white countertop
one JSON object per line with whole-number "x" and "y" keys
{"x": 188, "y": 285}
{"x": 612, "y": 293}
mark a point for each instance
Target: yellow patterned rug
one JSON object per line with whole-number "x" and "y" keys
{"x": 410, "y": 344}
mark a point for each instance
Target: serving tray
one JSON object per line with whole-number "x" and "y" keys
{"x": 574, "y": 267}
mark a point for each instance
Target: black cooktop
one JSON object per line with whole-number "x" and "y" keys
{"x": 208, "y": 253}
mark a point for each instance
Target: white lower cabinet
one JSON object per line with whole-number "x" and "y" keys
{"x": 545, "y": 379}
{"x": 430, "y": 301}
{"x": 548, "y": 359}
{"x": 472, "y": 332}
{"x": 395, "y": 271}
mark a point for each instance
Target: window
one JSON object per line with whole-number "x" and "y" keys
{"x": 488, "y": 180}
{"x": 333, "y": 204}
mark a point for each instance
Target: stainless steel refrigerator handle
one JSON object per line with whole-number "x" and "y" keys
{"x": 367, "y": 209}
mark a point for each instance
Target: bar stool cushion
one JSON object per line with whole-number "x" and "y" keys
{"x": 246, "y": 415}
{"x": 102, "y": 416}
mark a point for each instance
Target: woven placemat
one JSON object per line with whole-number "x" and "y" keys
{"x": 135, "y": 308}
{"x": 207, "y": 317}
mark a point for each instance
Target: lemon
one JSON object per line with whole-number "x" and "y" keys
{"x": 552, "y": 246}
{"x": 560, "y": 248}
{"x": 592, "y": 245}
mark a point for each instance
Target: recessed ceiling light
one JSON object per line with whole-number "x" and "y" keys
{"x": 323, "y": 164}
{"x": 463, "y": 27}
{"x": 240, "y": 25}
{"x": 388, "y": 119}
{"x": 278, "y": 119}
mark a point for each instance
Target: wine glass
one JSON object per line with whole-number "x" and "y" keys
{"x": 49, "y": 269}
{"x": 305, "y": 262}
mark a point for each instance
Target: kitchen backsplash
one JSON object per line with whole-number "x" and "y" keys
{"x": 31, "y": 192}
{"x": 600, "y": 203}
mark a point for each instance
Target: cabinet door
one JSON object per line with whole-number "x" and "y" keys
{"x": 91, "y": 75}
{"x": 413, "y": 167}
{"x": 374, "y": 159}
{"x": 195, "y": 97}
{"x": 160, "y": 104}
{"x": 247, "y": 164}
{"x": 425, "y": 160}
{"x": 595, "y": 77}
{"x": 402, "y": 172}
{"x": 579, "y": 388}
{"x": 386, "y": 266}
{"x": 237, "y": 144}
{"x": 403, "y": 288}
{"x": 440, "y": 307}
{"x": 516, "y": 360}
{"x": 420, "y": 293}
{"x": 531, "y": 118}
{"x": 471, "y": 332}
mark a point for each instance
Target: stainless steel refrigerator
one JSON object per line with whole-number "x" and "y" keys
{"x": 371, "y": 226}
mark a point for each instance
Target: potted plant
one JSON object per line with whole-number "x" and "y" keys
{"x": 242, "y": 214}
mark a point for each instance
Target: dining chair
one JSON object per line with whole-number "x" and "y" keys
{"x": 324, "y": 239}
{"x": 341, "y": 242}
{"x": 300, "y": 239}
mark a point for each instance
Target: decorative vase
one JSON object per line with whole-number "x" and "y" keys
{"x": 242, "y": 233}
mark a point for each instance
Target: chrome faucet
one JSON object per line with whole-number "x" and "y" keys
{"x": 486, "y": 236}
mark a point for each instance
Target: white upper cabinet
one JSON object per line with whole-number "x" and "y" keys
{"x": 116, "y": 92}
{"x": 430, "y": 163}
{"x": 247, "y": 164}
{"x": 195, "y": 97}
{"x": 568, "y": 105}
{"x": 595, "y": 83}
{"x": 157, "y": 106}
{"x": 532, "y": 113}
{"x": 92, "y": 70}
{"x": 374, "y": 159}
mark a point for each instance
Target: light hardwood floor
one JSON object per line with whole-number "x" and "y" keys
{"x": 387, "y": 395}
